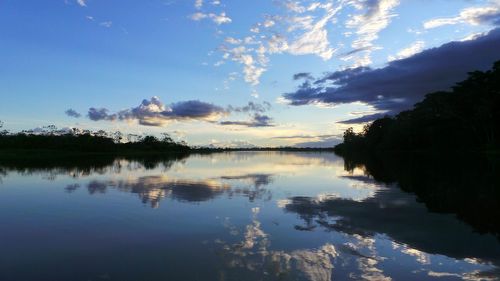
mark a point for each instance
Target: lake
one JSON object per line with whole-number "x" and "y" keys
{"x": 246, "y": 216}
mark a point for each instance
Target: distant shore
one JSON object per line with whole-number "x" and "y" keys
{"x": 42, "y": 153}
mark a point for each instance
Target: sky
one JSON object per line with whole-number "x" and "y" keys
{"x": 234, "y": 72}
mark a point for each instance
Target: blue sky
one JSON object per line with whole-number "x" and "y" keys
{"x": 110, "y": 55}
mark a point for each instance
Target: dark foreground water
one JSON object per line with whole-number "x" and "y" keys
{"x": 244, "y": 216}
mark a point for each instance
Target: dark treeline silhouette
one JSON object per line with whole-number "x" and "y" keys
{"x": 50, "y": 139}
{"x": 257, "y": 149}
{"x": 465, "y": 184}
{"x": 60, "y": 164}
{"x": 75, "y": 140}
{"x": 465, "y": 118}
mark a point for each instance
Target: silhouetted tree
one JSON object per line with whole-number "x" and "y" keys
{"x": 466, "y": 117}
{"x": 3, "y": 132}
{"x": 52, "y": 138}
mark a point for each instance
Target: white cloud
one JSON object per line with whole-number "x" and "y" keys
{"x": 303, "y": 29}
{"x": 299, "y": 33}
{"x": 268, "y": 23}
{"x": 376, "y": 17}
{"x": 233, "y": 41}
{"x": 198, "y": 16}
{"x": 81, "y": 3}
{"x": 106, "y": 24}
{"x": 198, "y": 4}
{"x": 415, "y": 48}
{"x": 315, "y": 39}
{"x": 294, "y": 6}
{"x": 473, "y": 16}
{"x": 253, "y": 68}
{"x": 219, "y": 19}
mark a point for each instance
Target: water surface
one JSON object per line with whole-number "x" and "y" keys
{"x": 229, "y": 216}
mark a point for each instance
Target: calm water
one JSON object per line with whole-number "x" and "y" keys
{"x": 234, "y": 216}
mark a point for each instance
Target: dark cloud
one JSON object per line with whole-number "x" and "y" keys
{"x": 154, "y": 113}
{"x": 193, "y": 110}
{"x": 98, "y": 114}
{"x": 342, "y": 77}
{"x": 492, "y": 18}
{"x": 402, "y": 83}
{"x": 72, "y": 113}
{"x": 251, "y": 107}
{"x": 257, "y": 120}
{"x": 367, "y": 48}
{"x": 303, "y": 75}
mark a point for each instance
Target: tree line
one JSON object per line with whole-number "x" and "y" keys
{"x": 465, "y": 118}
{"x": 74, "y": 139}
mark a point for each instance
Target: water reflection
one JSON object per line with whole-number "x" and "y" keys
{"x": 254, "y": 256}
{"x": 462, "y": 184}
{"x": 250, "y": 216}
{"x": 153, "y": 189}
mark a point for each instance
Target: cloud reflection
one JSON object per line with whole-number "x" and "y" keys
{"x": 153, "y": 189}
{"x": 253, "y": 256}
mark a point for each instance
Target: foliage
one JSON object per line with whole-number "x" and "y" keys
{"x": 52, "y": 138}
{"x": 466, "y": 117}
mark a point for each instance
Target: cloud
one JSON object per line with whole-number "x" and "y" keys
{"x": 376, "y": 17}
{"x": 251, "y": 107}
{"x": 253, "y": 66}
{"x": 198, "y": 16}
{"x": 306, "y": 137}
{"x": 303, "y": 75}
{"x": 300, "y": 32}
{"x": 72, "y": 113}
{"x": 402, "y": 83}
{"x": 99, "y": 114}
{"x": 219, "y": 19}
{"x": 363, "y": 119}
{"x": 489, "y": 15}
{"x": 154, "y": 113}
{"x": 258, "y": 120}
{"x": 106, "y": 24}
{"x": 294, "y": 6}
{"x": 317, "y": 141}
{"x": 82, "y": 3}
{"x": 322, "y": 143}
{"x": 415, "y": 48}
{"x": 233, "y": 41}
{"x": 198, "y": 4}
{"x": 231, "y": 144}
{"x": 315, "y": 38}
